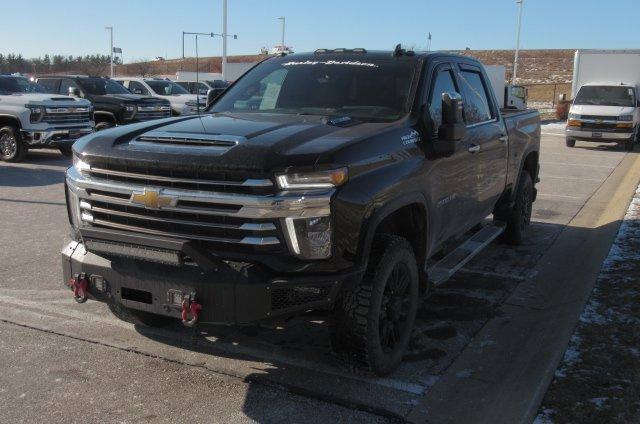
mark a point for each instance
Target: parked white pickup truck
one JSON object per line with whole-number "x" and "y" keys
{"x": 31, "y": 118}
{"x": 182, "y": 102}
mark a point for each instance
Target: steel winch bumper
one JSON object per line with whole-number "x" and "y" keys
{"x": 231, "y": 293}
{"x": 54, "y": 137}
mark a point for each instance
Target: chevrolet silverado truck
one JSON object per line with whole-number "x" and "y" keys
{"x": 182, "y": 102}
{"x": 113, "y": 104}
{"x": 341, "y": 180}
{"x": 32, "y": 119}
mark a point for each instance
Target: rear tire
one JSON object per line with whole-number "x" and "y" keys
{"x": 139, "y": 317}
{"x": 372, "y": 321}
{"x": 519, "y": 216}
{"x": 570, "y": 142}
{"x": 628, "y": 145}
{"x": 12, "y": 149}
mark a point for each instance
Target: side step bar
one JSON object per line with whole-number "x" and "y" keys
{"x": 456, "y": 259}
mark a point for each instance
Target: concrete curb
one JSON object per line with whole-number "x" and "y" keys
{"x": 502, "y": 376}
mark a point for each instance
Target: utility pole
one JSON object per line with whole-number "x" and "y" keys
{"x": 224, "y": 40}
{"x": 110, "y": 28}
{"x": 515, "y": 59}
{"x": 283, "y": 24}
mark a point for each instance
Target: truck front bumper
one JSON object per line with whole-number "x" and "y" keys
{"x": 234, "y": 293}
{"x": 54, "y": 137}
{"x": 598, "y": 135}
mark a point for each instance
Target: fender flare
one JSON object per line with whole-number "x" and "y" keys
{"x": 105, "y": 113}
{"x": 372, "y": 222}
{"x": 13, "y": 118}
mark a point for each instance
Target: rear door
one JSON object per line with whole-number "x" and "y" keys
{"x": 487, "y": 140}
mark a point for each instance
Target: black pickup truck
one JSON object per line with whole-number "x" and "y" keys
{"x": 112, "y": 103}
{"x": 340, "y": 180}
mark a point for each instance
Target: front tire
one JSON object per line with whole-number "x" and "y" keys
{"x": 628, "y": 145}
{"x": 372, "y": 321}
{"x": 570, "y": 143}
{"x": 519, "y": 216}
{"x": 134, "y": 316}
{"x": 12, "y": 149}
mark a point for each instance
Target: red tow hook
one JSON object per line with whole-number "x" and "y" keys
{"x": 80, "y": 285}
{"x": 190, "y": 307}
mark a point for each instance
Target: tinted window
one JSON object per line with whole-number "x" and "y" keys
{"x": 101, "y": 86}
{"x": 137, "y": 88}
{"x": 360, "y": 88}
{"x": 19, "y": 85}
{"x": 443, "y": 84}
{"x": 50, "y": 85}
{"x": 476, "y": 108}
{"x": 184, "y": 85}
{"x": 65, "y": 84}
{"x": 165, "y": 88}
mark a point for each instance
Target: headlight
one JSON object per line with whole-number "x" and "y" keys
{"x": 130, "y": 111}
{"x": 574, "y": 116}
{"x": 37, "y": 112}
{"x": 309, "y": 238}
{"x": 313, "y": 180}
{"x": 625, "y": 118}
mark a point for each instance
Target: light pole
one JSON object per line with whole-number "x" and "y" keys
{"x": 224, "y": 40}
{"x": 282, "y": 18}
{"x": 110, "y": 28}
{"x": 515, "y": 59}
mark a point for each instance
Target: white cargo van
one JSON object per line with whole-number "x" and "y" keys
{"x": 605, "y": 97}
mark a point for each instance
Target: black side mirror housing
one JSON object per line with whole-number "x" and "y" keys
{"x": 211, "y": 96}
{"x": 74, "y": 92}
{"x": 137, "y": 91}
{"x": 453, "y": 128}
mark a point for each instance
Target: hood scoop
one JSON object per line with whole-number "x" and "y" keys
{"x": 180, "y": 142}
{"x": 62, "y": 99}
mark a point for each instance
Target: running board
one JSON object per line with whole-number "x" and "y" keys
{"x": 456, "y": 259}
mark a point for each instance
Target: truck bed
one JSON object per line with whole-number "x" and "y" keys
{"x": 523, "y": 129}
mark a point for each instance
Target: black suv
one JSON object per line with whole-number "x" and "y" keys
{"x": 113, "y": 104}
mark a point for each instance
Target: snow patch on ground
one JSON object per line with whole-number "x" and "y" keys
{"x": 553, "y": 126}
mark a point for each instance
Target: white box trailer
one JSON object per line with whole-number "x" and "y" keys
{"x": 619, "y": 66}
{"x": 605, "y": 104}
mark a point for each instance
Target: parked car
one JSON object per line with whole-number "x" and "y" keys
{"x": 328, "y": 180}
{"x": 112, "y": 103}
{"x": 606, "y": 106}
{"x": 202, "y": 87}
{"x": 30, "y": 119}
{"x": 182, "y": 102}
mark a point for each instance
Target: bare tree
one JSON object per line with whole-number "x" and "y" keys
{"x": 141, "y": 67}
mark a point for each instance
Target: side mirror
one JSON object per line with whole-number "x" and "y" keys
{"x": 137, "y": 91}
{"x": 211, "y": 96}
{"x": 204, "y": 91}
{"x": 74, "y": 92}
{"x": 453, "y": 128}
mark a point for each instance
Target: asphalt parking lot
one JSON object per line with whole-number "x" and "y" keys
{"x": 51, "y": 342}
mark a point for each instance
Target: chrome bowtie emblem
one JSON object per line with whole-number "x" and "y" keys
{"x": 152, "y": 199}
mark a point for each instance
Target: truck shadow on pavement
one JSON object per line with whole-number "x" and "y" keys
{"x": 296, "y": 354}
{"x": 28, "y": 174}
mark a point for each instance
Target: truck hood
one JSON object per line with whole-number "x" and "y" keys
{"x": 255, "y": 142}
{"x": 130, "y": 98}
{"x": 602, "y": 110}
{"x": 42, "y": 99}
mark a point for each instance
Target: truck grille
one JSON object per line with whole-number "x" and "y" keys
{"x": 147, "y": 113}
{"x": 67, "y": 115}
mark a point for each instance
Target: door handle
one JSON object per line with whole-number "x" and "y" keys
{"x": 503, "y": 138}
{"x": 474, "y": 148}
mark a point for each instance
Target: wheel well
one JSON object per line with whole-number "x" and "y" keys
{"x": 531, "y": 164}
{"x": 9, "y": 120}
{"x": 410, "y": 222}
{"x": 104, "y": 117}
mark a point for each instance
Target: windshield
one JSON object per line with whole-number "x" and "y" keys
{"x": 603, "y": 95}
{"x": 9, "y": 85}
{"x": 375, "y": 90}
{"x": 101, "y": 86}
{"x": 166, "y": 88}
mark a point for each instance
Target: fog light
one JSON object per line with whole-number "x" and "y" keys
{"x": 310, "y": 238}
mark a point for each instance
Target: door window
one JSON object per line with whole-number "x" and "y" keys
{"x": 476, "y": 108}
{"x": 137, "y": 88}
{"x": 444, "y": 83}
{"x": 65, "y": 85}
{"x": 50, "y": 85}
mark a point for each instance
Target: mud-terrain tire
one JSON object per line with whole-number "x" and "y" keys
{"x": 629, "y": 144}
{"x": 371, "y": 322}
{"x": 570, "y": 143}
{"x": 139, "y": 317}
{"x": 12, "y": 149}
{"x": 66, "y": 151}
{"x": 519, "y": 216}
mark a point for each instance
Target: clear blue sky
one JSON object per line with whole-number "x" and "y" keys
{"x": 149, "y": 28}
